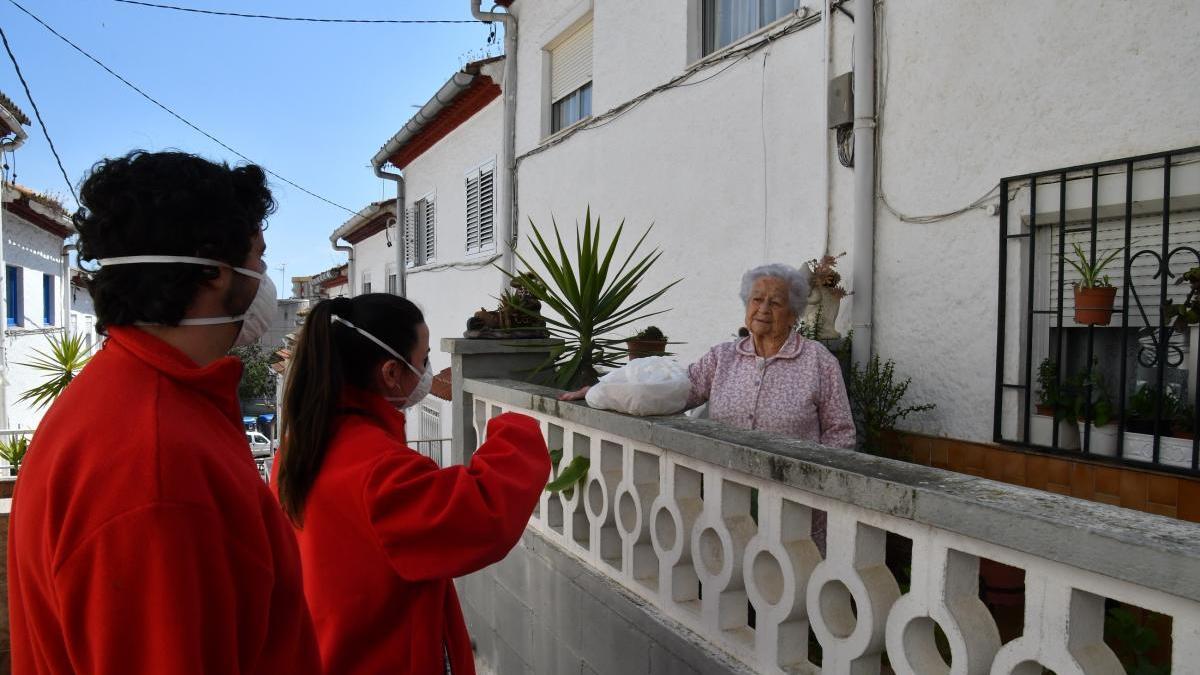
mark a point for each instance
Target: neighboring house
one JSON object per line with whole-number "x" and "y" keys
{"x": 448, "y": 154}
{"x": 34, "y": 230}
{"x": 332, "y": 283}
{"x": 289, "y": 315}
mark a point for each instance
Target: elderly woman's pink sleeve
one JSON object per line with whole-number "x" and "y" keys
{"x": 833, "y": 409}
{"x": 701, "y": 373}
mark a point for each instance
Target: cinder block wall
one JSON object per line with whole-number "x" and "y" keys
{"x": 543, "y": 611}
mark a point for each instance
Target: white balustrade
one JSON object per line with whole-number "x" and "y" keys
{"x": 679, "y": 532}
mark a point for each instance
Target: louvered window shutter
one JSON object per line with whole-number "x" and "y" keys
{"x": 472, "y": 213}
{"x": 487, "y": 210}
{"x": 571, "y": 63}
{"x": 429, "y": 232}
{"x": 410, "y": 240}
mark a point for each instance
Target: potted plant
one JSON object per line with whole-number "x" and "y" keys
{"x": 12, "y": 450}
{"x": 1183, "y": 422}
{"x": 1094, "y": 294}
{"x": 648, "y": 342}
{"x": 1173, "y": 427}
{"x": 877, "y": 402}
{"x": 591, "y": 296}
{"x": 824, "y": 298}
{"x": 1050, "y": 411}
{"x": 1090, "y": 407}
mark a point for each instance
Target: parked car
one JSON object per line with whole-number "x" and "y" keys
{"x": 260, "y": 446}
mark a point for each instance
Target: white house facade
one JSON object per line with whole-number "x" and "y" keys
{"x": 709, "y": 119}
{"x": 451, "y": 241}
{"x": 35, "y": 263}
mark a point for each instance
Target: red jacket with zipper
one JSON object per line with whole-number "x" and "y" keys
{"x": 142, "y": 540}
{"x": 386, "y": 531}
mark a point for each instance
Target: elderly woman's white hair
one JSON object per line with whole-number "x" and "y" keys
{"x": 797, "y": 281}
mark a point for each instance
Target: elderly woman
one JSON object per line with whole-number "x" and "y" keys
{"x": 774, "y": 379}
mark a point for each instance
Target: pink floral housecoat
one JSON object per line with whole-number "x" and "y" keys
{"x": 799, "y": 392}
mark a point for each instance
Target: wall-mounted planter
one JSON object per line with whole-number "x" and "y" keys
{"x": 1094, "y": 305}
{"x": 642, "y": 348}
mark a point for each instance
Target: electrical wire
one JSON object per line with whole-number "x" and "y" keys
{"x": 240, "y": 15}
{"x": 171, "y": 112}
{"x": 883, "y": 69}
{"x": 38, "y": 114}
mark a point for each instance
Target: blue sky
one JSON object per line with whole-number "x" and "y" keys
{"x": 312, "y": 102}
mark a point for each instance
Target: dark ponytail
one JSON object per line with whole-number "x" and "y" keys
{"x": 328, "y": 357}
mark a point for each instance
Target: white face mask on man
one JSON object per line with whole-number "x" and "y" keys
{"x": 425, "y": 376}
{"x": 255, "y": 320}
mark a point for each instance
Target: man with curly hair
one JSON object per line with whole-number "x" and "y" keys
{"x": 142, "y": 539}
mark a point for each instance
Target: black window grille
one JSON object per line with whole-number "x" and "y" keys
{"x": 1073, "y": 376}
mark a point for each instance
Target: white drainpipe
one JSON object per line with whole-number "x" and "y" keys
{"x": 826, "y": 181}
{"x": 349, "y": 262}
{"x": 864, "y": 179}
{"x": 508, "y": 153}
{"x": 401, "y": 235}
{"x": 66, "y": 266}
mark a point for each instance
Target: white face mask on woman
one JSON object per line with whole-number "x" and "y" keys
{"x": 255, "y": 320}
{"x": 425, "y": 377}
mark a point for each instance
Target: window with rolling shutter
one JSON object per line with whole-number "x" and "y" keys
{"x": 1143, "y": 281}
{"x": 1128, "y": 369}
{"x": 480, "y": 189}
{"x": 571, "y": 78}
{"x": 393, "y": 282}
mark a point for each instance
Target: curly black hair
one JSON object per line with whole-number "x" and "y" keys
{"x": 164, "y": 203}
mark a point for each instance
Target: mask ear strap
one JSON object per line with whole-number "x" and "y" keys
{"x": 334, "y": 318}
{"x": 160, "y": 259}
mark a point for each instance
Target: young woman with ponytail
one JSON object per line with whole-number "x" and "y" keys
{"x": 382, "y": 530}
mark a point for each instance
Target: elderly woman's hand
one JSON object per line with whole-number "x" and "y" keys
{"x": 576, "y": 395}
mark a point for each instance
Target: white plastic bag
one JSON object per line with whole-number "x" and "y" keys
{"x": 654, "y": 385}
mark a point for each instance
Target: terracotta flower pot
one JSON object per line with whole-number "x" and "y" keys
{"x": 641, "y": 348}
{"x": 1094, "y": 305}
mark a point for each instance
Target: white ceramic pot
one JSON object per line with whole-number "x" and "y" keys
{"x": 1171, "y": 451}
{"x": 822, "y": 301}
{"x": 1103, "y": 439}
{"x": 1041, "y": 432}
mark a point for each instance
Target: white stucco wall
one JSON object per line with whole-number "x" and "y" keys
{"x": 962, "y": 112}
{"x": 726, "y": 170}
{"x": 730, "y": 169}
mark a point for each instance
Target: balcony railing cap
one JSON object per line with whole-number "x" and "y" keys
{"x": 1152, "y": 551}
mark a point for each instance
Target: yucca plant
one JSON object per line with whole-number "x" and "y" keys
{"x": 591, "y": 299}
{"x": 68, "y": 354}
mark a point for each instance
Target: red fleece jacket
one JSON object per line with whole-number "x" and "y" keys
{"x": 386, "y": 531}
{"x": 142, "y": 539}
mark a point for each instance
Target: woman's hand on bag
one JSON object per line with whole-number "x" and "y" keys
{"x": 576, "y": 395}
